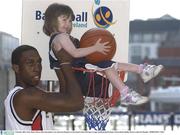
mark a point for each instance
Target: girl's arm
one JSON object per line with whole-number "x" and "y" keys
{"x": 63, "y": 41}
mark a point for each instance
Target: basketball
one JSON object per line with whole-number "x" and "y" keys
{"x": 91, "y": 36}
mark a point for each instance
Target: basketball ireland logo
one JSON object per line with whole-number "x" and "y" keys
{"x": 102, "y": 16}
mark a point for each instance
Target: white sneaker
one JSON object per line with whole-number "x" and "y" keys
{"x": 150, "y": 71}
{"x": 133, "y": 98}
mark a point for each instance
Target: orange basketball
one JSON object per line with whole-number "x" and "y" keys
{"x": 91, "y": 36}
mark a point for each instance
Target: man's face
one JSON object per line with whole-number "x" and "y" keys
{"x": 30, "y": 68}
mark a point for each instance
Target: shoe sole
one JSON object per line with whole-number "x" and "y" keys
{"x": 146, "y": 99}
{"x": 161, "y": 67}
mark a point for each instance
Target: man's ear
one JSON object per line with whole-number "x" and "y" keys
{"x": 15, "y": 68}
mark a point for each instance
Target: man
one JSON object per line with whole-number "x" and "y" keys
{"x": 26, "y": 102}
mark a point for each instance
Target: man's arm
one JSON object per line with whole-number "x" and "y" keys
{"x": 70, "y": 100}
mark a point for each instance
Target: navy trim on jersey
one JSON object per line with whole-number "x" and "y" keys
{"x": 53, "y": 62}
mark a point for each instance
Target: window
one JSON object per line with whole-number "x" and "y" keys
{"x": 157, "y": 37}
{"x": 136, "y": 50}
{"x": 136, "y": 54}
{"x": 136, "y": 38}
{"x": 147, "y": 51}
{"x": 147, "y": 37}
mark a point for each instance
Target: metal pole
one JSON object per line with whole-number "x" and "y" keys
{"x": 50, "y": 85}
{"x": 129, "y": 120}
{"x": 172, "y": 120}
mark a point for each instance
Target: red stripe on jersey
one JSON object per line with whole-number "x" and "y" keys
{"x": 37, "y": 123}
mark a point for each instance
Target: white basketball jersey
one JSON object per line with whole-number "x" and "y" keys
{"x": 13, "y": 122}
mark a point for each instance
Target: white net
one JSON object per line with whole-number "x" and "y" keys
{"x": 97, "y": 112}
{"x": 97, "y": 109}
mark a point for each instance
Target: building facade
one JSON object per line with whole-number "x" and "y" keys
{"x": 155, "y": 41}
{"x": 7, "y": 45}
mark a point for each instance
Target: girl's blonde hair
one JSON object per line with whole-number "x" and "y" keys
{"x": 52, "y": 13}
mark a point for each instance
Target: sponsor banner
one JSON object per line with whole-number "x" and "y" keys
{"x": 112, "y": 15}
{"x": 89, "y": 132}
{"x": 155, "y": 118}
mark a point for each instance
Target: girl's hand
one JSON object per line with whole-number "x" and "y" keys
{"x": 102, "y": 47}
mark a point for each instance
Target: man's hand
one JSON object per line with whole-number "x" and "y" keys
{"x": 63, "y": 56}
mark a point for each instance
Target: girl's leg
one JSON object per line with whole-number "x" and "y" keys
{"x": 113, "y": 76}
{"x": 147, "y": 72}
{"x": 127, "y": 96}
{"x": 117, "y": 83}
{"x": 130, "y": 67}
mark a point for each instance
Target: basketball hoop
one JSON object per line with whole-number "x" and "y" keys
{"x": 96, "y": 112}
{"x": 98, "y": 109}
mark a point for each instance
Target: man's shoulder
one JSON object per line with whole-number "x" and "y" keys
{"x": 31, "y": 90}
{"x": 13, "y": 91}
{"x": 26, "y": 94}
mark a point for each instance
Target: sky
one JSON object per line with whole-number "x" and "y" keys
{"x": 10, "y": 12}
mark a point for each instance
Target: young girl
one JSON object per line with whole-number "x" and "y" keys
{"x": 58, "y": 25}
